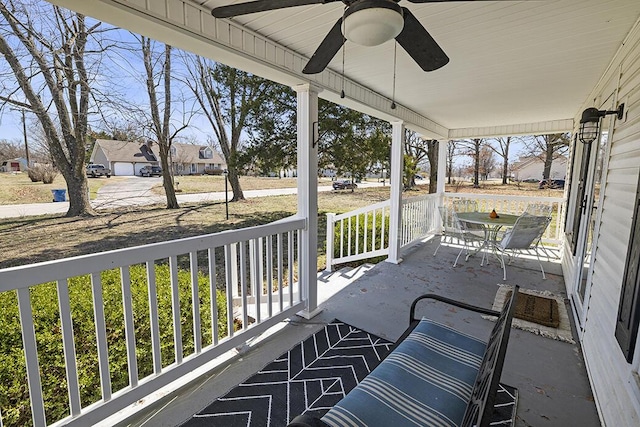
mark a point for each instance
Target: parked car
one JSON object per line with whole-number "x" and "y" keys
{"x": 344, "y": 184}
{"x": 551, "y": 183}
{"x": 95, "y": 170}
{"x": 151, "y": 171}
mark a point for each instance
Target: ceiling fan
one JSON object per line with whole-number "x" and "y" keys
{"x": 364, "y": 22}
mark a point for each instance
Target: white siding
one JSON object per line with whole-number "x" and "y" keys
{"x": 614, "y": 381}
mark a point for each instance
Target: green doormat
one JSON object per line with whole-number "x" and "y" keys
{"x": 561, "y": 332}
{"x": 537, "y": 309}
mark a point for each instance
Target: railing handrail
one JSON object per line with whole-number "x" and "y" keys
{"x": 13, "y": 278}
{"x": 414, "y": 199}
{"x": 361, "y": 210}
{"x": 504, "y": 196}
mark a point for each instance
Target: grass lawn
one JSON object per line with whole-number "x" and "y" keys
{"x": 18, "y": 189}
{"x": 212, "y": 183}
{"x": 29, "y": 240}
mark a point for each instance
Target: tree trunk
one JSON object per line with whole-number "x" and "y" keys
{"x": 505, "y": 170}
{"x": 167, "y": 180}
{"x": 78, "y": 189}
{"x": 548, "y": 160}
{"x": 234, "y": 181}
{"x": 432, "y": 155}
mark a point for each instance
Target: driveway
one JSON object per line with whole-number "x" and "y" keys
{"x": 127, "y": 192}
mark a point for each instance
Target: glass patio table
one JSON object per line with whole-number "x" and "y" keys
{"x": 491, "y": 226}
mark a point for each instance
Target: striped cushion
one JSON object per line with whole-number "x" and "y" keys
{"x": 426, "y": 380}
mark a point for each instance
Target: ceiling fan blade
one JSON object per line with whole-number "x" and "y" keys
{"x": 260, "y": 6}
{"x": 419, "y": 44}
{"x": 331, "y": 44}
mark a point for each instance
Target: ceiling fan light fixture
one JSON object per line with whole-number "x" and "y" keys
{"x": 373, "y": 22}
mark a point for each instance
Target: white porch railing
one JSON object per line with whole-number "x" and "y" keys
{"x": 254, "y": 270}
{"x": 359, "y": 234}
{"x": 420, "y": 219}
{"x": 516, "y": 205}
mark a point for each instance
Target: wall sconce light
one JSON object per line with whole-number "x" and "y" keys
{"x": 590, "y": 122}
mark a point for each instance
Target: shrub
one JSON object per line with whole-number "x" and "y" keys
{"x": 14, "y": 395}
{"x": 358, "y": 225}
{"x": 42, "y": 172}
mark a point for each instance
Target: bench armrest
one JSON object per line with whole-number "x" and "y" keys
{"x": 482, "y": 310}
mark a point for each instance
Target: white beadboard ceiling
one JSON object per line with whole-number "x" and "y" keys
{"x": 511, "y": 62}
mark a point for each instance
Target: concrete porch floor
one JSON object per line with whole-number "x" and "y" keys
{"x": 550, "y": 375}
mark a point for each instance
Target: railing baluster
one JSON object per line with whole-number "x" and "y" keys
{"x": 366, "y": 232}
{"x": 280, "y": 271}
{"x": 357, "y": 248}
{"x": 374, "y": 232}
{"x": 257, "y": 276}
{"x": 68, "y": 343}
{"x": 299, "y": 252}
{"x": 31, "y": 358}
{"x": 195, "y": 301}
{"x": 213, "y": 294}
{"x": 153, "y": 318}
{"x": 243, "y": 284}
{"x": 341, "y": 238}
{"x": 175, "y": 308}
{"x": 129, "y": 327}
{"x": 290, "y": 266}
{"x": 101, "y": 336}
{"x": 228, "y": 255}
{"x": 386, "y": 212}
{"x": 270, "y": 275}
{"x": 350, "y": 221}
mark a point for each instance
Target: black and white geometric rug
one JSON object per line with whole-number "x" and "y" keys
{"x": 312, "y": 377}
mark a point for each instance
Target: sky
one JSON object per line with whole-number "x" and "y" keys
{"x": 123, "y": 63}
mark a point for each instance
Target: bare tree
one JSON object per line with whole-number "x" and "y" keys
{"x": 501, "y": 146}
{"x": 472, "y": 148}
{"x": 487, "y": 162}
{"x": 452, "y": 152}
{"x": 48, "y": 62}
{"x": 10, "y": 149}
{"x": 547, "y": 148}
{"x": 158, "y": 74}
{"x": 230, "y": 100}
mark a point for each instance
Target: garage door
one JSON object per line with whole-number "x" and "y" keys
{"x": 122, "y": 168}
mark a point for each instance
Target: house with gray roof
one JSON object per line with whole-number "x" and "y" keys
{"x": 126, "y": 158}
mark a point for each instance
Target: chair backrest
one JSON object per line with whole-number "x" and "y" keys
{"x": 527, "y": 230}
{"x": 465, "y": 205}
{"x": 538, "y": 209}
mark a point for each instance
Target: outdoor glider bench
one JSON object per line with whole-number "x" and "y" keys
{"x": 435, "y": 376}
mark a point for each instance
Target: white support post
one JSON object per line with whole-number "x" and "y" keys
{"x": 307, "y": 111}
{"x": 442, "y": 177}
{"x": 442, "y": 166}
{"x": 395, "y": 178}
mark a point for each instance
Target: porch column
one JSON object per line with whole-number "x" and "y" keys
{"x": 442, "y": 166}
{"x": 307, "y": 110}
{"x": 395, "y": 179}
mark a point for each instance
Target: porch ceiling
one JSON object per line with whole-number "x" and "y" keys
{"x": 512, "y": 62}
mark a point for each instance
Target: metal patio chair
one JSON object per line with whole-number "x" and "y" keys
{"x": 539, "y": 209}
{"x": 523, "y": 236}
{"x": 453, "y": 228}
